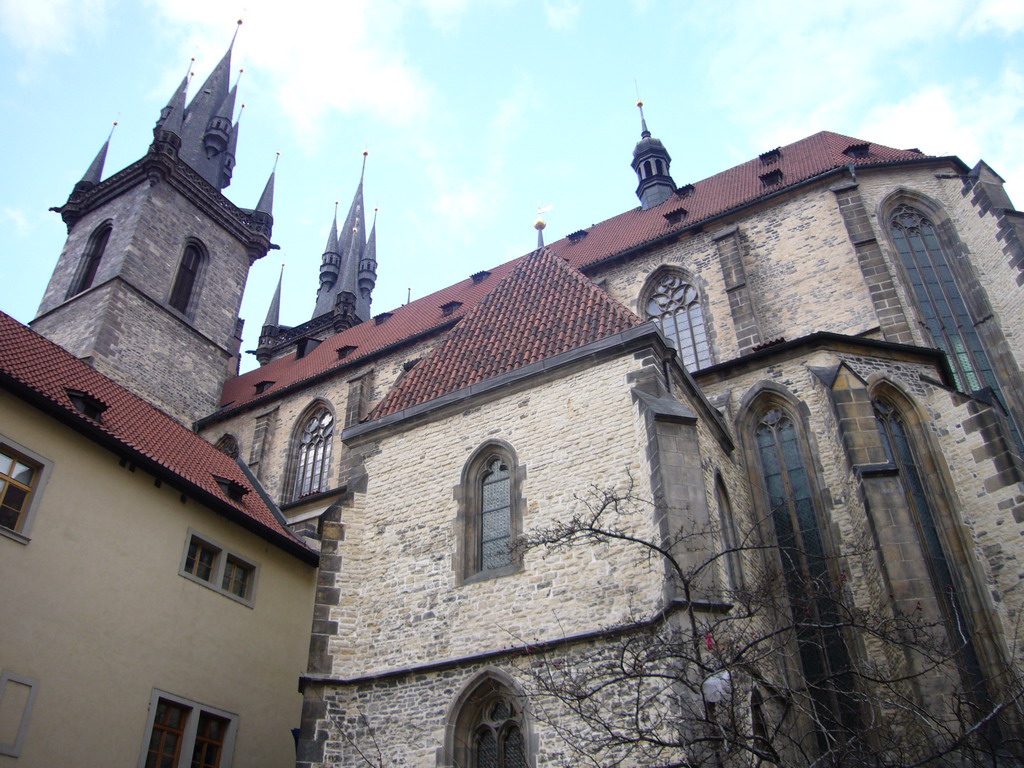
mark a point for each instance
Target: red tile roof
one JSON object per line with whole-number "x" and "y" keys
{"x": 710, "y": 198}
{"x": 543, "y": 308}
{"x": 39, "y": 370}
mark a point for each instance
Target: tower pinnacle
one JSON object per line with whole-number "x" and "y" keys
{"x": 651, "y": 164}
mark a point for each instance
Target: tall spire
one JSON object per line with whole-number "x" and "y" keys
{"x": 94, "y": 174}
{"x": 651, "y": 163}
{"x": 330, "y": 269}
{"x": 262, "y": 216}
{"x": 274, "y": 311}
{"x": 266, "y": 203}
{"x": 342, "y": 261}
{"x": 207, "y": 135}
{"x": 172, "y": 115}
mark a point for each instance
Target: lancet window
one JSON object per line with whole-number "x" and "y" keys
{"x": 314, "y": 453}
{"x": 811, "y": 585}
{"x": 90, "y": 263}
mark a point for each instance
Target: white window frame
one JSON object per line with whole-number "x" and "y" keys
{"x": 13, "y": 749}
{"x": 188, "y": 739}
{"x": 220, "y": 560}
{"x": 45, "y": 468}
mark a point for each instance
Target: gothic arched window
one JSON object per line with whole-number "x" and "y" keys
{"x": 490, "y": 512}
{"x": 900, "y": 452}
{"x": 228, "y": 445}
{"x": 488, "y": 727}
{"x": 498, "y": 738}
{"x": 938, "y": 297}
{"x": 811, "y": 587}
{"x": 730, "y": 536}
{"x": 675, "y": 305}
{"x": 187, "y": 278}
{"x": 90, "y": 262}
{"x": 313, "y": 452}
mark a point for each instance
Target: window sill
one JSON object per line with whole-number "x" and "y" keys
{"x": 7, "y": 533}
{"x": 248, "y": 602}
{"x": 493, "y": 573}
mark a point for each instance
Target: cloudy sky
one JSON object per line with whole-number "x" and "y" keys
{"x": 477, "y": 112}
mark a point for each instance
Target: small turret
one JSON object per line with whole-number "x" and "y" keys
{"x": 651, "y": 164}
{"x": 368, "y": 271}
{"x": 263, "y": 215}
{"x": 94, "y": 174}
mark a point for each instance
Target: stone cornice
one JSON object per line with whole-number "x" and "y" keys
{"x": 161, "y": 164}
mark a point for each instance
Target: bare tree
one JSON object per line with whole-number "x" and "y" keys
{"x": 786, "y": 668}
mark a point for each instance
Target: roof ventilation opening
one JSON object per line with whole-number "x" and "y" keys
{"x": 305, "y": 346}
{"x": 381, "y": 318}
{"x": 772, "y": 178}
{"x": 231, "y": 488}
{"x": 674, "y": 217}
{"x": 408, "y": 365}
{"x": 263, "y": 386}
{"x": 344, "y": 352}
{"x": 450, "y": 307}
{"x": 479, "y": 277}
{"x": 685, "y": 191}
{"x": 86, "y": 404}
{"x": 857, "y": 151}
{"x": 771, "y": 156}
{"x": 576, "y": 236}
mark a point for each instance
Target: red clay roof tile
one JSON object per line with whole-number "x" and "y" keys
{"x": 516, "y": 324}
{"x": 50, "y": 372}
{"x": 712, "y": 197}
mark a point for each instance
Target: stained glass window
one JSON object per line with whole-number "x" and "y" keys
{"x": 900, "y": 452}
{"x": 496, "y": 516}
{"x": 675, "y": 306}
{"x": 314, "y": 458}
{"x": 499, "y": 741}
{"x": 809, "y": 581}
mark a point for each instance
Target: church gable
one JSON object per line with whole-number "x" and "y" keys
{"x": 542, "y": 309}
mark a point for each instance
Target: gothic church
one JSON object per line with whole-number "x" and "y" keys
{"x": 810, "y": 363}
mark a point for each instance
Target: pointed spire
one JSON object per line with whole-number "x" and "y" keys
{"x": 274, "y": 311}
{"x": 172, "y": 115}
{"x": 206, "y": 131}
{"x": 339, "y": 270}
{"x": 332, "y": 238}
{"x": 94, "y": 175}
{"x": 651, "y": 163}
{"x": 266, "y": 203}
{"x": 644, "y": 133}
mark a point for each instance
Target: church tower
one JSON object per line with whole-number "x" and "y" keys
{"x": 149, "y": 284}
{"x": 651, "y": 164}
{"x": 348, "y": 274}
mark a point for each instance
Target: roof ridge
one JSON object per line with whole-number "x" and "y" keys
{"x": 46, "y": 372}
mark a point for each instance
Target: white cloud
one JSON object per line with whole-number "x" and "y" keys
{"x": 1005, "y": 16}
{"x": 934, "y": 120}
{"x": 562, "y": 14}
{"x": 19, "y": 219}
{"x": 38, "y": 28}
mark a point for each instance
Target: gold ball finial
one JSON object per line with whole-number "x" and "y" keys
{"x": 639, "y": 102}
{"x": 366, "y": 152}
{"x": 539, "y": 224}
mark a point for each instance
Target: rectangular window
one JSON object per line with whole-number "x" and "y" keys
{"x": 181, "y": 733}
{"x": 237, "y": 577}
{"x": 206, "y": 562}
{"x": 22, "y": 476}
{"x": 17, "y": 695}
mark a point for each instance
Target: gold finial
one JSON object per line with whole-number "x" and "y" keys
{"x": 539, "y": 224}
{"x": 277, "y": 156}
{"x": 366, "y": 152}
